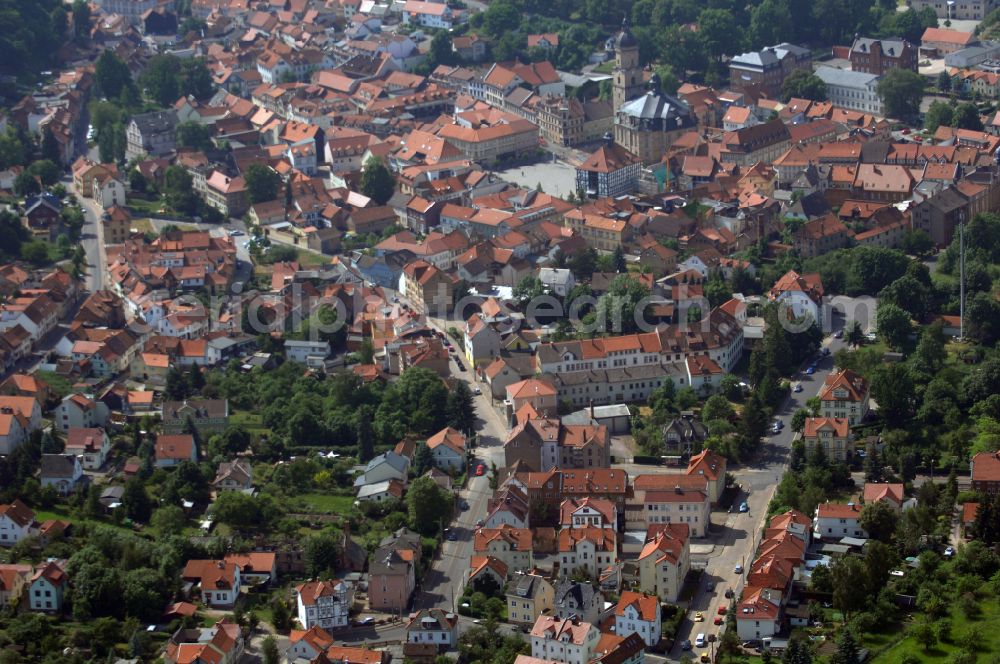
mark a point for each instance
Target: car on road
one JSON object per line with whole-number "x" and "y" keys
{"x": 461, "y": 367}
{"x": 480, "y": 470}
{"x": 452, "y": 536}
{"x": 825, "y": 352}
{"x": 235, "y": 232}
{"x": 810, "y": 371}
{"x": 710, "y": 586}
{"x": 686, "y": 644}
{"x": 464, "y": 505}
{"x": 949, "y": 551}
{"x": 722, "y": 610}
{"x": 744, "y": 508}
{"x": 779, "y": 424}
{"x": 700, "y": 641}
{"x": 729, "y": 593}
{"x": 738, "y": 569}
{"x": 718, "y": 620}
{"x": 698, "y": 617}
{"x": 797, "y": 388}
{"x": 839, "y": 334}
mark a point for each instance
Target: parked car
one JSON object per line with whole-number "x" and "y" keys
{"x": 477, "y": 391}
{"x": 810, "y": 371}
{"x": 722, "y": 610}
{"x": 686, "y": 644}
{"x": 744, "y": 508}
{"x": 464, "y": 505}
{"x": 452, "y": 536}
{"x": 839, "y": 334}
{"x": 698, "y": 617}
{"x": 718, "y": 620}
{"x": 797, "y": 388}
{"x": 738, "y": 569}
{"x": 949, "y": 551}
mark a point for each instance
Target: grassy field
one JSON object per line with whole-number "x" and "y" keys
{"x": 321, "y": 503}
{"x": 986, "y": 629}
{"x": 249, "y": 421}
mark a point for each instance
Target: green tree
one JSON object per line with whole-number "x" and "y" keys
{"x": 440, "y": 52}
{"x": 802, "y": 84}
{"x": 901, "y": 91}
{"x": 377, "y": 182}
{"x": 529, "y": 288}
{"x": 365, "y": 433}
{"x": 940, "y": 113}
{"x": 848, "y": 595}
{"x": 194, "y": 135}
{"x": 195, "y": 80}
{"x": 323, "y": 554}
{"x": 111, "y": 74}
{"x": 135, "y": 501}
{"x": 719, "y": 32}
{"x": 144, "y": 593}
{"x": 925, "y": 634}
{"x": 269, "y": 650}
{"x": 892, "y": 387}
{"x": 847, "y": 651}
{"x": 262, "y": 182}
{"x": 967, "y": 117}
{"x": 878, "y": 520}
{"x": 771, "y": 23}
{"x": 46, "y": 170}
{"x": 460, "y": 408}
{"x": 244, "y": 512}
{"x": 161, "y": 79}
{"x": 893, "y": 324}
{"x": 281, "y": 617}
{"x": 429, "y": 506}
{"x": 169, "y": 519}
{"x": 944, "y": 81}
{"x": 799, "y": 419}
{"x": 716, "y": 408}
{"x": 855, "y": 335}
{"x": 81, "y": 19}
{"x": 26, "y": 184}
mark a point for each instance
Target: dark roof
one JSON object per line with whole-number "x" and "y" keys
{"x": 625, "y": 38}
{"x": 58, "y": 465}
{"x": 156, "y": 121}
{"x": 580, "y": 594}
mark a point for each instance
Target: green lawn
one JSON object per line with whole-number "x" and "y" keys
{"x": 986, "y": 629}
{"x": 309, "y": 258}
{"x": 250, "y": 421}
{"x": 322, "y": 503}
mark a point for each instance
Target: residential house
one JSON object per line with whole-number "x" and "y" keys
{"x": 765, "y": 70}
{"x": 448, "y": 449}
{"x": 433, "y": 626}
{"x": 16, "y": 521}
{"x": 220, "y": 644}
{"x": 586, "y": 550}
{"x": 233, "y": 476}
{"x": 985, "y": 471}
{"x": 322, "y": 604}
{"x": 14, "y": 579}
{"x": 844, "y": 395}
{"x": 878, "y": 56}
{"x": 570, "y": 641}
{"x": 481, "y": 340}
{"x": 529, "y": 595}
{"x": 798, "y": 296}
{"x": 609, "y": 172}
{"x": 19, "y": 417}
{"x": 91, "y": 445}
{"x": 637, "y": 613}
{"x": 830, "y": 434}
{"x": 664, "y": 561}
{"x": 577, "y": 599}
{"x": 851, "y": 90}
{"x": 946, "y": 41}
{"x": 77, "y": 410}
{"x": 307, "y": 644}
{"x": 833, "y": 521}
{"x": 207, "y": 415}
{"x": 151, "y": 134}
{"x": 377, "y": 492}
{"x": 487, "y": 574}
{"x": 174, "y": 449}
{"x": 712, "y": 467}
{"x": 512, "y": 546}
{"x": 892, "y": 494}
{"x": 219, "y": 581}
{"x": 663, "y": 499}
{"x": 117, "y": 223}
{"x": 428, "y": 289}
{"x": 48, "y": 587}
{"x": 757, "y": 615}
{"x": 385, "y": 466}
{"x": 256, "y": 567}
{"x": 589, "y": 512}
{"x": 63, "y": 472}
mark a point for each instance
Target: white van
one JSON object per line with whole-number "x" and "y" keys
{"x": 700, "y": 641}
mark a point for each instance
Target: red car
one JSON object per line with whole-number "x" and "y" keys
{"x": 480, "y": 469}
{"x": 718, "y": 620}
{"x": 722, "y": 610}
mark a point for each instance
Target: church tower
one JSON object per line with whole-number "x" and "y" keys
{"x": 627, "y": 76}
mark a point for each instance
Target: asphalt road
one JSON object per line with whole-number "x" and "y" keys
{"x": 736, "y": 536}
{"x": 443, "y": 583}
{"x": 91, "y": 237}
